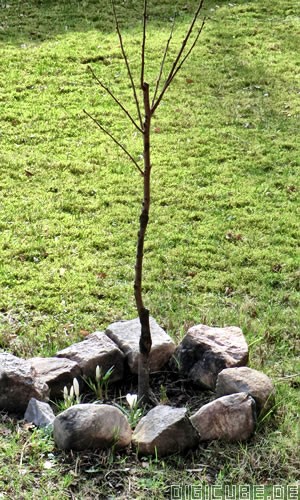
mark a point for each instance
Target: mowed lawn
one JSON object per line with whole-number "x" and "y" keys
{"x": 221, "y": 246}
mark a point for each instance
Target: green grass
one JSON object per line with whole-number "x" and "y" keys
{"x": 222, "y": 241}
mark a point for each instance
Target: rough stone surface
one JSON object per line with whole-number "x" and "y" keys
{"x": 126, "y": 334}
{"x": 39, "y": 413}
{"x": 96, "y": 349}
{"x": 56, "y": 373}
{"x": 230, "y": 418}
{"x": 205, "y": 351}
{"x": 164, "y": 430}
{"x": 253, "y": 382}
{"x": 18, "y": 384}
{"x": 91, "y": 426}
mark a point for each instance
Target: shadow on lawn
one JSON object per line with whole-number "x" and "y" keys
{"x": 39, "y": 20}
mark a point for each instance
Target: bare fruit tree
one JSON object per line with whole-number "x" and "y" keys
{"x": 146, "y": 107}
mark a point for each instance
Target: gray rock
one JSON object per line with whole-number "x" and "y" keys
{"x": 56, "y": 373}
{"x": 96, "y": 349}
{"x": 205, "y": 351}
{"x": 126, "y": 334}
{"x": 39, "y": 413}
{"x": 253, "y": 382}
{"x": 230, "y": 418}
{"x": 18, "y": 384}
{"x": 163, "y": 431}
{"x": 91, "y": 426}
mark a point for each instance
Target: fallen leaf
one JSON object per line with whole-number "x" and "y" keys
{"x": 6, "y": 432}
{"x": 189, "y": 80}
{"x": 234, "y": 237}
{"x": 28, "y": 426}
{"x": 48, "y": 464}
{"x": 68, "y": 325}
{"x": 101, "y": 276}
{"x": 84, "y": 333}
{"x": 229, "y": 291}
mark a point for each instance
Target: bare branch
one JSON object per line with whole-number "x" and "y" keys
{"x": 143, "y": 44}
{"x": 115, "y": 99}
{"x": 190, "y": 50}
{"x": 175, "y": 63}
{"x": 163, "y": 63}
{"x": 127, "y": 64}
{"x": 115, "y": 141}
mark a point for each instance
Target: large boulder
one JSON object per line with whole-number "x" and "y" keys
{"x": 205, "y": 351}
{"x": 39, "y": 413}
{"x": 126, "y": 334}
{"x": 18, "y": 384}
{"x": 96, "y": 349}
{"x": 163, "y": 431}
{"x": 56, "y": 373}
{"x": 91, "y": 426}
{"x": 253, "y": 382}
{"x": 230, "y": 418}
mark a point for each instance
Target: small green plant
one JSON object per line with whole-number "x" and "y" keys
{"x": 163, "y": 397}
{"x": 100, "y": 385}
{"x": 176, "y": 362}
{"x": 134, "y": 413}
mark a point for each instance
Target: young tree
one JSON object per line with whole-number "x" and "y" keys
{"x": 145, "y": 110}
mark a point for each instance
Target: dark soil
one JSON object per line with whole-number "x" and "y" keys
{"x": 170, "y": 388}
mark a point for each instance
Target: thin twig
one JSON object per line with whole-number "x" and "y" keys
{"x": 185, "y": 40}
{"x": 175, "y": 63}
{"x": 190, "y": 50}
{"x": 127, "y": 64}
{"x": 143, "y": 44}
{"x": 107, "y": 89}
{"x": 288, "y": 376}
{"x": 115, "y": 140}
{"x": 163, "y": 63}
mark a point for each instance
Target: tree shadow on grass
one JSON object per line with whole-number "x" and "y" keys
{"x": 39, "y": 20}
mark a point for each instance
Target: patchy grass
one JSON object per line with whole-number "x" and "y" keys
{"x": 222, "y": 241}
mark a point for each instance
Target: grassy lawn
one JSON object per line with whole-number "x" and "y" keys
{"x": 222, "y": 241}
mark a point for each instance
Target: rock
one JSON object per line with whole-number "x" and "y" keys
{"x": 56, "y": 373}
{"x": 253, "y": 382}
{"x": 91, "y": 426}
{"x": 39, "y": 413}
{"x": 18, "y": 384}
{"x": 205, "y": 351}
{"x": 163, "y": 431}
{"x": 96, "y": 349}
{"x": 126, "y": 334}
{"x": 230, "y": 418}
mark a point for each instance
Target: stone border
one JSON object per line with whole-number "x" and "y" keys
{"x": 213, "y": 358}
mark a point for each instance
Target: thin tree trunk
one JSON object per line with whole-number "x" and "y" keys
{"x": 144, "y": 128}
{"x": 145, "y": 338}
